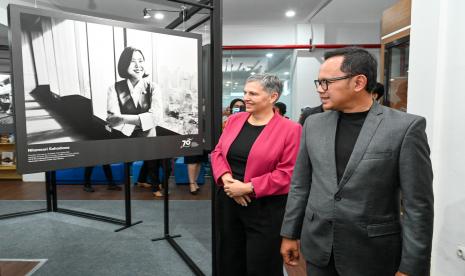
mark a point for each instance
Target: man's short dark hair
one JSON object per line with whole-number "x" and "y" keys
{"x": 378, "y": 90}
{"x": 125, "y": 59}
{"x": 282, "y": 107}
{"x": 357, "y": 61}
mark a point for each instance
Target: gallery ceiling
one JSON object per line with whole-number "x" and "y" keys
{"x": 235, "y": 12}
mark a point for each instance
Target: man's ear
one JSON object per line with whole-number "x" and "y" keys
{"x": 360, "y": 82}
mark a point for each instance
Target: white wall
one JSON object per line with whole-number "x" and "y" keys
{"x": 437, "y": 91}
{"x": 258, "y": 35}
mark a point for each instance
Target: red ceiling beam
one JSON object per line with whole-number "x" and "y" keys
{"x": 298, "y": 46}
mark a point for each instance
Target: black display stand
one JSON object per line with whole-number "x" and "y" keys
{"x": 127, "y": 203}
{"x": 166, "y": 220}
{"x": 213, "y": 122}
{"x": 52, "y": 203}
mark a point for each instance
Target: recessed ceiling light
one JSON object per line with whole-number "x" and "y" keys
{"x": 286, "y": 73}
{"x": 252, "y": 73}
{"x": 269, "y": 55}
{"x": 290, "y": 13}
{"x": 159, "y": 16}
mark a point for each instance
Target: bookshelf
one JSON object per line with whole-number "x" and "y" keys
{"x": 7, "y": 164}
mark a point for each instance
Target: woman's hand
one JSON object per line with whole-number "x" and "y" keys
{"x": 237, "y": 188}
{"x": 242, "y": 200}
{"x": 114, "y": 120}
{"x": 227, "y": 178}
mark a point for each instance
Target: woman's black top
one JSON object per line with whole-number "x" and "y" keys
{"x": 240, "y": 149}
{"x": 348, "y": 129}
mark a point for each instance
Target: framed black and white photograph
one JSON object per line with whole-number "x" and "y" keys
{"x": 94, "y": 91}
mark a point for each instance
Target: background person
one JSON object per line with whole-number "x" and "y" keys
{"x": 132, "y": 107}
{"x": 377, "y": 92}
{"x": 149, "y": 175}
{"x": 252, "y": 163}
{"x": 236, "y": 105}
{"x": 194, "y": 164}
{"x": 281, "y": 108}
{"x": 107, "y": 170}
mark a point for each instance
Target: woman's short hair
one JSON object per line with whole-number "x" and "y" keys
{"x": 270, "y": 83}
{"x": 125, "y": 59}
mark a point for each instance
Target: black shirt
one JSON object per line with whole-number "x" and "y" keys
{"x": 240, "y": 149}
{"x": 348, "y": 129}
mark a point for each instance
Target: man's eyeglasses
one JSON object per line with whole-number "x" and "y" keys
{"x": 325, "y": 82}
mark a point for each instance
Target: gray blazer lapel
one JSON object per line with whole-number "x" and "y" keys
{"x": 372, "y": 121}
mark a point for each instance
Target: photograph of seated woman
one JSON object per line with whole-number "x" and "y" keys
{"x": 130, "y": 102}
{"x": 252, "y": 165}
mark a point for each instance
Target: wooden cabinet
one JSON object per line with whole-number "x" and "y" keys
{"x": 8, "y": 171}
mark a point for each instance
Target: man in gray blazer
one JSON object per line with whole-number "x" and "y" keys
{"x": 354, "y": 164}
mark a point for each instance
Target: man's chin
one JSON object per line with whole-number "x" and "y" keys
{"x": 327, "y": 106}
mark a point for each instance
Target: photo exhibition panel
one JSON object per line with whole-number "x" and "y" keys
{"x": 94, "y": 91}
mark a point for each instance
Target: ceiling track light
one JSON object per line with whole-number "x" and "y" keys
{"x": 156, "y": 13}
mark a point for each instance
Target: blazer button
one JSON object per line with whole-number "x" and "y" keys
{"x": 337, "y": 197}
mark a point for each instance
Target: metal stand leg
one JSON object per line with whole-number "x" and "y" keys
{"x": 170, "y": 238}
{"x": 127, "y": 199}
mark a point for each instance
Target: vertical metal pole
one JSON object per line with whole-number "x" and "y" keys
{"x": 166, "y": 217}
{"x": 48, "y": 191}
{"x": 216, "y": 79}
{"x": 127, "y": 193}
{"x": 53, "y": 181}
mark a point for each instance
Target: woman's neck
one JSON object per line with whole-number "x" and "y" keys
{"x": 134, "y": 82}
{"x": 261, "y": 118}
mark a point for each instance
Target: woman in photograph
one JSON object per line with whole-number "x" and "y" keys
{"x": 253, "y": 163}
{"x": 132, "y": 107}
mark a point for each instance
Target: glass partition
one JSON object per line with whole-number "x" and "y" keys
{"x": 238, "y": 65}
{"x": 396, "y": 74}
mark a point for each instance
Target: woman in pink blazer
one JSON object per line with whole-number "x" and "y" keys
{"x": 253, "y": 163}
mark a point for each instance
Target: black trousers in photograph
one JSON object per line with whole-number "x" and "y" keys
{"x": 249, "y": 237}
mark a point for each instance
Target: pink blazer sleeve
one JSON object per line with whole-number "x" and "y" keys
{"x": 277, "y": 182}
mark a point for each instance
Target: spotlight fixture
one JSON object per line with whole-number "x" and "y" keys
{"x": 290, "y": 13}
{"x": 146, "y": 13}
{"x": 157, "y": 14}
{"x": 269, "y": 55}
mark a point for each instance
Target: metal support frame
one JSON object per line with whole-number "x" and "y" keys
{"x": 52, "y": 203}
{"x": 215, "y": 79}
{"x": 200, "y": 22}
{"x": 166, "y": 220}
{"x": 188, "y": 13}
{"x": 127, "y": 202}
{"x": 48, "y": 197}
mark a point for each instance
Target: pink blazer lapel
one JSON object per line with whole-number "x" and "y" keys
{"x": 262, "y": 142}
